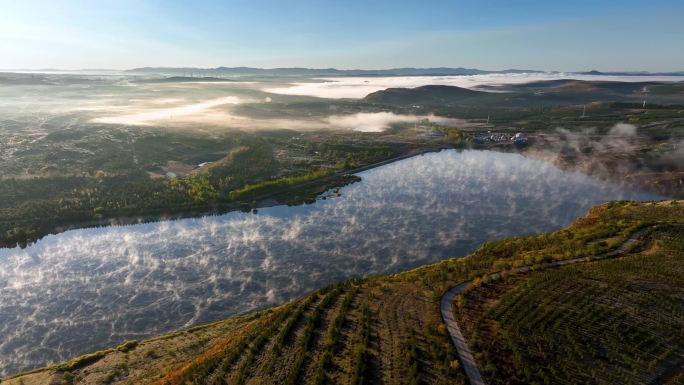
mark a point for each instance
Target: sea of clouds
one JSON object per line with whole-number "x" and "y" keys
{"x": 198, "y": 106}
{"x": 359, "y": 87}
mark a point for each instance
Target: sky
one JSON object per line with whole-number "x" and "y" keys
{"x": 579, "y": 35}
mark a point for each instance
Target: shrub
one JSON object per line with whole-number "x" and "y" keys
{"x": 127, "y": 346}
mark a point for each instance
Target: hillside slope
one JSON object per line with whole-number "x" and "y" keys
{"x": 618, "y": 321}
{"x": 562, "y": 92}
{"x": 386, "y": 329}
{"x": 425, "y": 95}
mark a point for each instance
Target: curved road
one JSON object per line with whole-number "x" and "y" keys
{"x": 446, "y": 306}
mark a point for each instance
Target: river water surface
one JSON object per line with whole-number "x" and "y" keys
{"x": 88, "y": 289}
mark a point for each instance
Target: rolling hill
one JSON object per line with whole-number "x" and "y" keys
{"x": 425, "y": 95}
{"x": 562, "y": 92}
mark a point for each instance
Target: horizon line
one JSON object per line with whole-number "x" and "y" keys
{"x": 336, "y": 69}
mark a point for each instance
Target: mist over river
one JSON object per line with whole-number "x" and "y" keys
{"x": 88, "y": 289}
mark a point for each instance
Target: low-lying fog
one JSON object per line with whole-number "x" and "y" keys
{"x": 184, "y": 112}
{"x": 35, "y": 106}
{"x": 380, "y": 121}
{"x": 205, "y": 113}
{"x": 359, "y": 87}
{"x": 29, "y": 112}
{"x": 93, "y": 288}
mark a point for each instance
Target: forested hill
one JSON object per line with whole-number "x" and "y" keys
{"x": 425, "y": 95}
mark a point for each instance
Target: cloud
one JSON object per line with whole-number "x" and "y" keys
{"x": 191, "y": 112}
{"x": 380, "y": 121}
{"x": 621, "y": 154}
{"x": 146, "y": 112}
{"x": 622, "y": 130}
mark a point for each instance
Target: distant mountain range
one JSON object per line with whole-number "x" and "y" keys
{"x": 406, "y": 71}
{"x": 634, "y": 73}
{"x": 297, "y": 71}
{"x": 302, "y": 71}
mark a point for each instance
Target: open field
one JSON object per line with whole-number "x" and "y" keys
{"x": 388, "y": 328}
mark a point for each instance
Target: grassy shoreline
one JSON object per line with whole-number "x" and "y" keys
{"x": 303, "y": 191}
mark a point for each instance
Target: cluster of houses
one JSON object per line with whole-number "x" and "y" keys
{"x": 495, "y": 137}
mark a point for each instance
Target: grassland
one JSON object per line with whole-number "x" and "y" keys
{"x": 622, "y": 316}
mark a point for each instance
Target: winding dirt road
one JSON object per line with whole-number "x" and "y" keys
{"x": 447, "y": 303}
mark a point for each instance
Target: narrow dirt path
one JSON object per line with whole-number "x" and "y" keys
{"x": 447, "y": 302}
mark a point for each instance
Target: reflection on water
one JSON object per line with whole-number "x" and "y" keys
{"x": 88, "y": 289}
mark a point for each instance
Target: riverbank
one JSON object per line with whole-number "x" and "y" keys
{"x": 302, "y": 193}
{"x": 404, "y": 311}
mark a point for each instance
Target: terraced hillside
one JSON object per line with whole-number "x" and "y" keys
{"x": 388, "y": 329}
{"x": 617, "y": 321}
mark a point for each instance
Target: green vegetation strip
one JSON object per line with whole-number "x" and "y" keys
{"x": 253, "y": 349}
{"x": 253, "y": 190}
{"x": 360, "y": 350}
{"x": 286, "y": 331}
{"x": 333, "y": 338}
{"x": 411, "y": 357}
{"x": 216, "y": 363}
{"x": 304, "y": 345}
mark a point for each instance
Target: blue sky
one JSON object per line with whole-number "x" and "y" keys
{"x": 548, "y": 35}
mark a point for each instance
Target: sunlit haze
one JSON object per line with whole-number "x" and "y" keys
{"x": 577, "y": 35}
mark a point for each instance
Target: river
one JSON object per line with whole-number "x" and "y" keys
{"x": 88, "y": 289}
